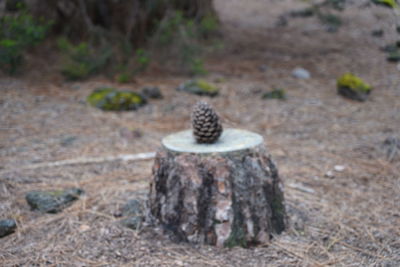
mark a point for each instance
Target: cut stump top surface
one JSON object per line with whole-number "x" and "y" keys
{"x": 231, "y": 140}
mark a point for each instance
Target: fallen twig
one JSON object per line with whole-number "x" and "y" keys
{"x": 87, "y": 160}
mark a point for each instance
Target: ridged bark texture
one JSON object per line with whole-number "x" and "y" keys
{"x": 230, "y": 199}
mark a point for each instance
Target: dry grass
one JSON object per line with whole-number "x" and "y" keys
{"x": 350, "y": 220}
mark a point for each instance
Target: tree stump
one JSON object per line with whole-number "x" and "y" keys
{"x": 224, "y": 194}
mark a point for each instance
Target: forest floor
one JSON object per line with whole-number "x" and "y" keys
{"x": 350, "y": 218}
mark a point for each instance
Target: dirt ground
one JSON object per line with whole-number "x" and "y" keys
{"x": 351, "y": 219}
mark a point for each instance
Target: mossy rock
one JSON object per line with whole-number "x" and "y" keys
{"x": 52, "y": 201}
{"x": 276, "y": 93}
{"x": 110, "y": 99}
{"x": 351, "y": 86}
{"x": 199, "y": 87}
{"x": 386, "y": 3}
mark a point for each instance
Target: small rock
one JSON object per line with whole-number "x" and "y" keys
{"x": 301, "y": 73}
{"x": 298, "y": 218}
{"x": 329, "y": 174}
{"x": 132, "y": 207}
{"x": 52, "y": 201}
{"x": 276, "y": 93}
{"x": 394, "y": 56}
{"x": 303, "y": 13}
{"x": 7, "y": 227}
{"x": 199, "y": 87}
{"x": 133, "y": 211}
{"x": 377, "y": 33}
{"x": 152, "y": 92}
{"x": 331, "y": 22}
{"x": 133, "y": 222}
{"x": 393, "y": 51}
{"x": 393, "y": 47}
{"x": 282, "y": 21}
{"x": 339, "y": 168}
{"x": 68, "y": 141}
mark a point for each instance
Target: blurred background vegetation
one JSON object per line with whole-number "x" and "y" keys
{"x": 115, "y": 37}
{"x": 120, "y": 38}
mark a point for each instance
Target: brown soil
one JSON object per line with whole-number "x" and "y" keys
{"x": 351, "y": 219}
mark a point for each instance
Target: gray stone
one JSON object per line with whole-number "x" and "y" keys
{"x": 133, "y": 207}
{"x": 377, "y": 33}
{"x": 298, "y": 218}
{"x": 133, "y": 222}
{"x": 68, "y": 141}
{"x": 52, "y": 201}
{"x": 329, "y": 174}
{"x": 301, "y": 73}
{"x": 152, "y": 92}
{"x": 7, "y": 227}
{"x": 133, "y": 211}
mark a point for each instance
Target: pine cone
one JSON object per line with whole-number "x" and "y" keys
{"x": 207, "y": 127}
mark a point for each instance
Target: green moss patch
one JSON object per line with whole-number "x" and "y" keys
{"x": 110, "y": 99}
{"x": 386, "y": 3}
{"x": 351, "y": 86}
{"x": 81, "y": 60}
{"x": 199, "y": 87}
{"x": 18, "y": 33}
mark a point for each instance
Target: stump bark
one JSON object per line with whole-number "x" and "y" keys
{"x": 224, "y": 194}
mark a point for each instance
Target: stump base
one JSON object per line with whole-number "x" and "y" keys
{"x": 227, "y": 198}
